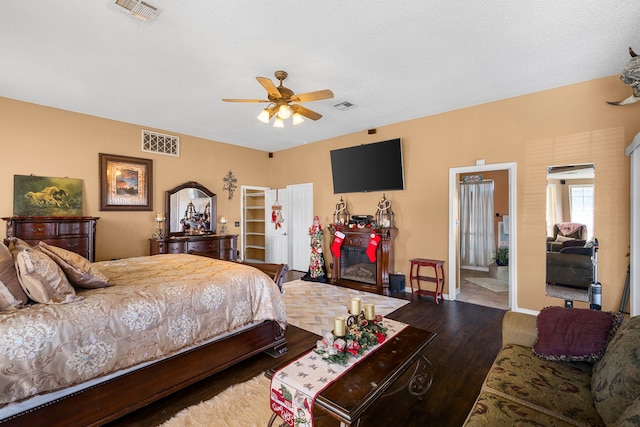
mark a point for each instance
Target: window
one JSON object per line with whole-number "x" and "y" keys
{"x": 581, "y": 205}
{"x": 551, "y": 208}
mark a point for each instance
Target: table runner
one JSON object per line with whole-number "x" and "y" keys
{"x": 295, "y": 387}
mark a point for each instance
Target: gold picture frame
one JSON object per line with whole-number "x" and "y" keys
{"x": 126, "y": 183}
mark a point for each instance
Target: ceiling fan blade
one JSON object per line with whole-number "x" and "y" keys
{"x": 244, "y": 100}
{"x": 313, "y": 96}
{"x": 306, "y": 112}
{"x": 272, "y": 90}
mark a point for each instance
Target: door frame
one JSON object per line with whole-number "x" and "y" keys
{"x": 454, "y": 224}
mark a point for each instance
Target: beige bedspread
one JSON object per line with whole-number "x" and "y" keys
{"x": 157, "y": 306}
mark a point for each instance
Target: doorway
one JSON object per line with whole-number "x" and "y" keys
{"x": 458, "y": 276}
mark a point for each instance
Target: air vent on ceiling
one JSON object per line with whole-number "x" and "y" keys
{"x": 139, "y": 10}
{"x": 346, "y": 105}
{"x": 159, "y": 143}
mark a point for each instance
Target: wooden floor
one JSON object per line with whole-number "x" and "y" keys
{"x": 467, "y": 343}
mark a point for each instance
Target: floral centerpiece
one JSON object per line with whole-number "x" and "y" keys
{"x": 360, "y": 335}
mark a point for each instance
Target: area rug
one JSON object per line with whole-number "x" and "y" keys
{"x": 242, "y": 405}
{"x": 313, "y": 306}
{"x": 489, "y": 283}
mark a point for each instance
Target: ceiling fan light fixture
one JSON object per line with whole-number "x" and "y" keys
{"x": 278, "y": 122}
{"x": 284, "y": 112}
{"x": 264, "y": 116}
{"x": 297, "y": 119}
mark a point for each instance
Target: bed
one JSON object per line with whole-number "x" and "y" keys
{"x": 166, "y": 322}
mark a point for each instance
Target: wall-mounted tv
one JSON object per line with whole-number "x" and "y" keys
{"x": 368, "y": 167}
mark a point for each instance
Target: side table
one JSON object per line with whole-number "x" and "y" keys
{"x": 437, "y": 278}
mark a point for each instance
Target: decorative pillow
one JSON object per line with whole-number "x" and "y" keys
{"x": 574, "y": 334}
{"x": 7, "y": 300}
{"x": 78, "y": 269}
{"x": 9, "y": 277}
{"x": 562, "y": 239}
{"x": 42, "y": 279}
{"x": 615, "y": 381}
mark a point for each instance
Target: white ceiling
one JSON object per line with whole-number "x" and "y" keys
{"x": 395, "y": 60}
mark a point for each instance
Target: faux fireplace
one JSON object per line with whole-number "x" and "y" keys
{"x": 354, "y": 269}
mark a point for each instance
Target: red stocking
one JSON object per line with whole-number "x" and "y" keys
{"x": 373, "y": 246}
{"x": 337, "y": 242}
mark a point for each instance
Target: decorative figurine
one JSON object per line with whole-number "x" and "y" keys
{"x": 384, "y": 215}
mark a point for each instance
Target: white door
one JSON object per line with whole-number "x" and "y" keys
{"x": 277, "y": 248}
{"x": 300, "y": 200}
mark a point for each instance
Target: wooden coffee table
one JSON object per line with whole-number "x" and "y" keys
{"x": 349, "y": 397}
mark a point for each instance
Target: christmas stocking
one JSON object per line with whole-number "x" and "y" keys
{"x": 337, "y": 242}
{"x": 373, "y": 246}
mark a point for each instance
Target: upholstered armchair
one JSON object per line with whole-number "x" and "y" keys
{"x": 573, "y": 266}
{"x": 566, "y": 234}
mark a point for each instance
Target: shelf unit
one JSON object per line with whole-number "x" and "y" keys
{"x": 253, "y": 224}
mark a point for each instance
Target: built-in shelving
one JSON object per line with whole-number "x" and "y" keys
{"x": 253, "y": 224}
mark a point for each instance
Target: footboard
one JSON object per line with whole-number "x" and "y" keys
{"x": 114, "y": 398}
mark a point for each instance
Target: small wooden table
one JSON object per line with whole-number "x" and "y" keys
{"x": 349, "y": 397}
{"x": 438, "y": 278}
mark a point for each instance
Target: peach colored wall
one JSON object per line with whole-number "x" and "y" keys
{"x": 571, "y": 124}
{"x": 50, "y": 142}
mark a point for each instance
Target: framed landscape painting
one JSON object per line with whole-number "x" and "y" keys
{"x": 46, "y": 196}
{"x": 125, "y": 183}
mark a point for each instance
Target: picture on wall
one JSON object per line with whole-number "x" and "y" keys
{"x": 125, "y": 183}
{"x": 46, "y": 196}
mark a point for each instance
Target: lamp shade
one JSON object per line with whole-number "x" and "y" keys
{"x": 278, "y": 123}
{"x": 264, "y": 116}
{"x": 284, "y": 112}
{"x": 297, "y": 119}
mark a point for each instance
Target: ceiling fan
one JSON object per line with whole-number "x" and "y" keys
{"x": 280, "y": 101}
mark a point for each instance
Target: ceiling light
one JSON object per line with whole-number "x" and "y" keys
{"x": 297, "y": 119}
{"x": 264, "y": 116}
{"x": 278, "y": 122}
{"x": 284, "y": 112}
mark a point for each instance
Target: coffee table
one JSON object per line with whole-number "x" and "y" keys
{"x": 373, "y": 377}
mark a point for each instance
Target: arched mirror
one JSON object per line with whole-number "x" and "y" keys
{"x": 570, "y": 242}
{"x": 190, "y": 209}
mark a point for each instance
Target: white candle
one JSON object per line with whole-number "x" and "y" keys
{"x": 339, "y": 326}
{"x": 369, "y": 311}
{"x": 355, "y": 306}
{"x": 159, "y": 217}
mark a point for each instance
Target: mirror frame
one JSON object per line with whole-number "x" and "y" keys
{"x": 190, "y": 185}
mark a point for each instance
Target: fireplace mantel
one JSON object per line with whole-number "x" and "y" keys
{"x": 357, "y": 239}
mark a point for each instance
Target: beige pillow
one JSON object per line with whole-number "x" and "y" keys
{"x": 78, "y": 269}
{"x": 42, "y": 279}
{"x": 9, "y": 276}
{"x": 7, "y": 300}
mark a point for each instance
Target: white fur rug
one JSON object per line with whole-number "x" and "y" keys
{"x": 242, "y": 405}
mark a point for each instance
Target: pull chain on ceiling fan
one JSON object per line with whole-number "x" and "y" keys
{"x": 280, "y": 100}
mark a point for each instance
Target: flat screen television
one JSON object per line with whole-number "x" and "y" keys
{"x": 368, "y": 167}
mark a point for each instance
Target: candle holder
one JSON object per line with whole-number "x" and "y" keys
{"x": 223, "y": 221}
{"x": 355, "y": 319}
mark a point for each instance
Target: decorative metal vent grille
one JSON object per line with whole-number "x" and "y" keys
{"x": 154, "y": 142}
{"x": 138, "y": 9}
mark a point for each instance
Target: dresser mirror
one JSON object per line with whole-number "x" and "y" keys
{"x": 190, "y": 210}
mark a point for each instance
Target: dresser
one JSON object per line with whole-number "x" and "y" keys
{"x": 220, "y": 246}
{"x": 74, "y": 233}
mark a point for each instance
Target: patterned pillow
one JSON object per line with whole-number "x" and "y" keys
{"x": 42, "y": 279}
{"x": 615, "y": 381}
{"x": 78, "y": 269}
{"x": 9, "y": 278}
{"x": 574, "y": 334}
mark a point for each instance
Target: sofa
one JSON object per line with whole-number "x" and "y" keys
{"x": 523, "y": 388}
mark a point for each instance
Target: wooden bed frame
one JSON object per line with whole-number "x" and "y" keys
{"x": 116, "y": 397}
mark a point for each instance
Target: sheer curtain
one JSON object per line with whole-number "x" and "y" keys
{"x": 477, "y": 239}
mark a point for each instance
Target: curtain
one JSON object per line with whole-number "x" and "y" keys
{"x": 477, "y": 239}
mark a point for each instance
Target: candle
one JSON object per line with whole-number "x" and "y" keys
{"x": 159, "y": 217}
{"x": 355, "y": 306}
{"x": 369, "y": 311}
{"x": 339, "y": 326}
